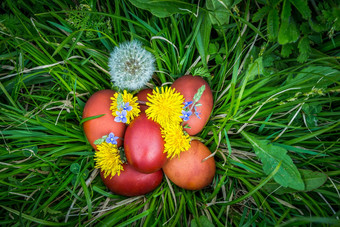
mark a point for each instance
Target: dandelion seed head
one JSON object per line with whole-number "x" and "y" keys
{"x": 131, "y": 66}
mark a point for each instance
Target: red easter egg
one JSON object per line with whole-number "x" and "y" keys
{"x": 144, "y": 145}
{"x": 142, "y": 96}
{"x": 188, "y": 86}
{"x": 99, "y": 103}
{"x": 130, "y": 182}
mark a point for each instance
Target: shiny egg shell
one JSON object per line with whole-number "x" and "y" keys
{"x": 142, "y": 96}
{"x": 144, "y": 145}
{"x": 190, "y": 170}
{"x": 130, "y": 182}
{"x": 99, "y": 103}
{"x": 188, "y": 86}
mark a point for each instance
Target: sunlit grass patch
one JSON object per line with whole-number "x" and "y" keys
{"x": 274, "y": 129}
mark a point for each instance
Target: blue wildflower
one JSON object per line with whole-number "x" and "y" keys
{"x": 187, "y": 104}
{"x": 121, "y": 116}
{"x": 197, "y": 113}
{"x": 112, "y": 138}
{"x": 186, "y": 115}
{"x": 126, "y": 107}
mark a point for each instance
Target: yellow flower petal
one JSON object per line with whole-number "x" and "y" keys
{"x": 176, "y": 141}
{"x": 108, "y": 159}
{"x": 165, "y": 106}
{"x": 127, "y": 97}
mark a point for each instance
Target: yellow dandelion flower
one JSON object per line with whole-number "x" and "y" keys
{"x": 176, "y": 141}
{"x": 127, "y": 110}
{"x": 165, "y": 107}
{"x": 108, "y": 159}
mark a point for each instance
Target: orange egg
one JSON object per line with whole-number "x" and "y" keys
{"x": 99, "y": 103}
{"x": 188, "y": 85}
{"x": 189, "y": 171}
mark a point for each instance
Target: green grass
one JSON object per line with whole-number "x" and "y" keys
{"x": 50, "y": 64}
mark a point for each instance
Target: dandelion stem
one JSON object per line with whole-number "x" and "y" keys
{"x": 196, "y": 138}
{"x": 141, "y": 102}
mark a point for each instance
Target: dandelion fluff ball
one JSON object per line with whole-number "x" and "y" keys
{"x": 131, "y": 66}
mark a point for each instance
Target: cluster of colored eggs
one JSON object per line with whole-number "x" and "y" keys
{"x": 144, "y": 145}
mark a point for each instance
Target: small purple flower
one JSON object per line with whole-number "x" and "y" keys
{"x": 112, "y": 138}
{"x": 197, "y": 113}
{"x": 187, "y": 104}
{"x": 126, "y": 107}
{"x": 121, "y": 116}
{"x": 186, "y": 115}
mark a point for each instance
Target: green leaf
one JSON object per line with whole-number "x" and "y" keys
{"x": 288, "y": 32}
{"x": 90, "y": 118}
{"x": 273, "y": 24}
{"x": 75, "y": 168}
{"x": 31, "y": 218}
{"x": 202, "y": 39}
{"x": 261, "y": 13}
{"x": 134, "y": 218}
{"x": 299, "y": 150}
{"x": 11, "y": 23}
{"x": 310, "y": 112}
{"x": 63, "y": 28}
{"x": 120, "y": 101}
{"x": 302, "y": 6}
{"x": 305, "y": 28}
{"x": 213, "y": 48}
{"x": 164, "y": 8}
{"x": 311, "y": 109}
{"x": 321, "y": 76}
{"x": 311, "y": 135}
{"x": 304, "y": 48}
{"x": 286, "y": 50}
{"x": 255, "y": 68}
{"x": 274, "y": 2}
{"x": 203, "y": 221}
{"x": 271, "y": 155}
{"x": 199, "y": 93}
{"x": 286, "y": 11}
{"x": 100, "y": 140}
{"x": 218, "y": 59}
{"x": 218, "y": 13}
{"x": 316, "y": 26}
{"x": 28, "y": 152}
{"x": 312, "y": 180}
{"x": 50, "y": 211}
{"x": 105, "y": 193}
{"x": 201, "y": 71}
